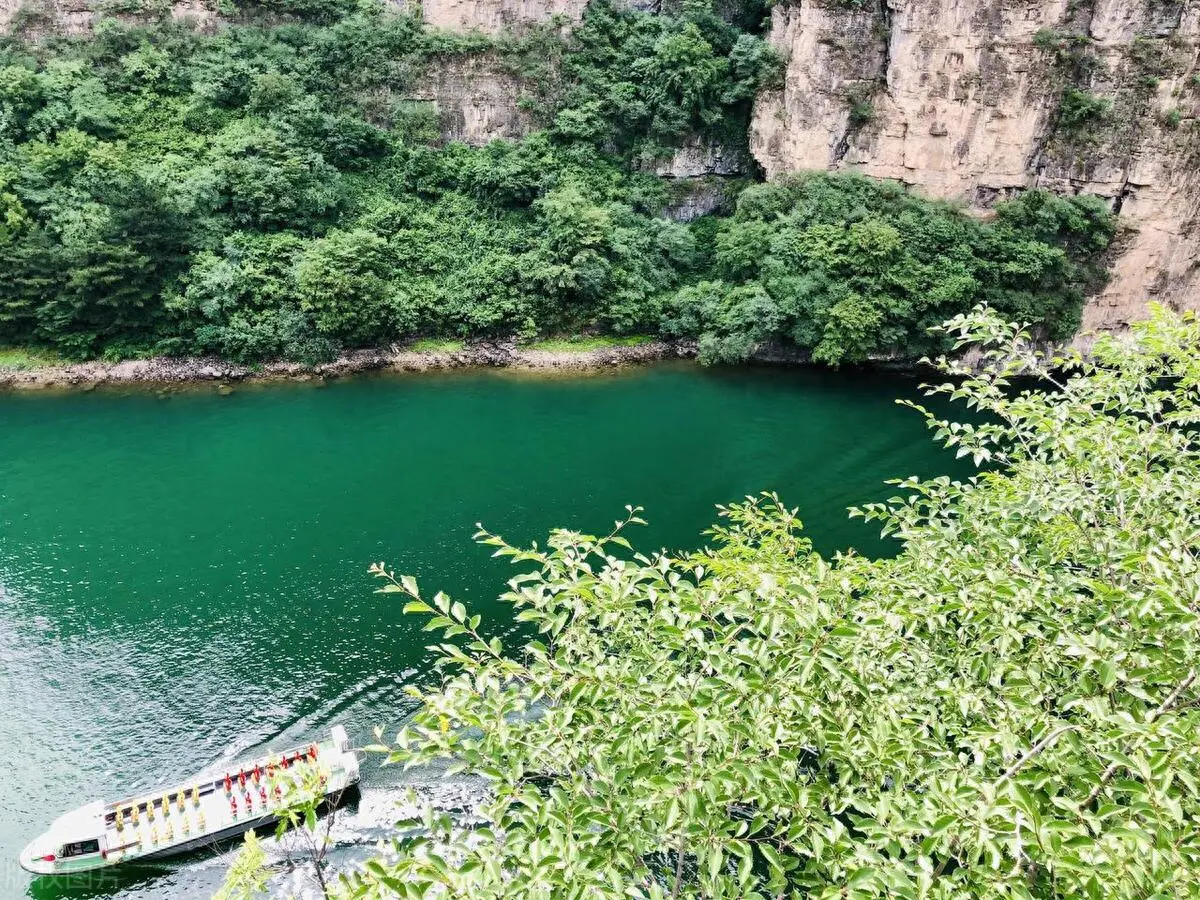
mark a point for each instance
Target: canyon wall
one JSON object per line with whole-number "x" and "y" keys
{"x": 476, "y": 98}
{"x": 37, "y": 18}
{"x": 963, "y": 99}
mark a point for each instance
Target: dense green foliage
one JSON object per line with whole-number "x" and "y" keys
{"x": 263, "y": 192}
{"x": 1079, "y": 108}
{"x": 1009, "y": 707}
{"x": 249, "y": 193}
{"x": 851, "y": 267}
{"x": 643, "y": 83}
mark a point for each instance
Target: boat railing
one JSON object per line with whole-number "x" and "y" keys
{"x": 143, "y": 803}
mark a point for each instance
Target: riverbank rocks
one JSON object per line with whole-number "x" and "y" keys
{"x": 163, "y": 372}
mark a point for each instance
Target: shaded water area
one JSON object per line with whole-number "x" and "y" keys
{"x": 183, "y": 580}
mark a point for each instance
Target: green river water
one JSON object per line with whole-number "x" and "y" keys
{"x": 183, "y": 579}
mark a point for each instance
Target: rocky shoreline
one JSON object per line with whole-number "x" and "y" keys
{"x": 166, "y": 371}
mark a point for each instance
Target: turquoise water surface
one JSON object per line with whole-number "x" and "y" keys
{"x": 183, "y": 578}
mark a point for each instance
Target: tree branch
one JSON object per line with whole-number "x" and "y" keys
{"x": 1033, "y": 751}
{"x": 1164, "y": 707}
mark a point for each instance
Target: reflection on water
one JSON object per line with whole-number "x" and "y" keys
{"x": 183, "y": 580}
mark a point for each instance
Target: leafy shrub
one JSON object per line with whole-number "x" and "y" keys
{"x": 732, "y": 321}
{"x": 20, "y": 97}
{"x": 309, "y": 10}
{"x": 267, "y": 181}
{"x": 1059, "y": 41}
{"x": 285, "y": 332}
{"x": 343, "y": 282}
{"x": 646, "y": 81}
{"x": 862, "y": 107}
{"x": 857, "y": 268}
{"x": 1079, "y": 108}
{"x": 861, "y": 113}
{"x": 1009, "y": 707}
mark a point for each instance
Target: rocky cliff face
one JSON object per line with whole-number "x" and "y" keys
{"x": 963, "y": 99}
{"x": 475, "y": 97}
{"x": 493, "y": 16}
{"x": 38, "y": 18}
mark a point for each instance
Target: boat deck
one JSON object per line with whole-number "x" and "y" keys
{"x": 186, "y": 816}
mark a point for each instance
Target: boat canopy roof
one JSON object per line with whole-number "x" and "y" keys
{"x": 85, "y": 823}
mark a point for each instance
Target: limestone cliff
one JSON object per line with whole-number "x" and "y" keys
{"x": 38, "y": 18}
{"x": 1145, "y": 156}
{"x": 476, "y": 98}
{"x": 963, "y": 99}
{"x": 493, "y": 16}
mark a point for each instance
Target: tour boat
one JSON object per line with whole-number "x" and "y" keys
{"x": 194, "y": 814}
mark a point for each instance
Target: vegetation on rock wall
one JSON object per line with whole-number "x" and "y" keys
{"x": 1108, "y": 97}
{"x": 261, "y": 192}
{"x": 639, "y": 84}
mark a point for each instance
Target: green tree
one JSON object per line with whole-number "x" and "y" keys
{"x": 732, "y": 321}
{"x": 642, "y": 81}
{"x": 572, "y": 265}
{"x": 95, "y": 246}
{"x": 343, "y": 282}
{"x": 20, "y": 97}
{"x": 684, "y": 74}
{"x": 1009, "y": 707}
{"x": 860, "y": 268}
{"x": 243, "y": 303}
{"x": 270, "y": 182}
